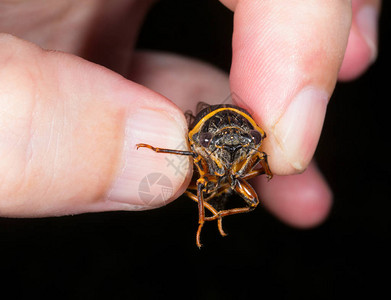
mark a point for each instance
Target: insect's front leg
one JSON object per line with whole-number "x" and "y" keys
{"x": 265, "y": 165}
{"x": 163, "y": 150}
{"x": 248, "y": 172}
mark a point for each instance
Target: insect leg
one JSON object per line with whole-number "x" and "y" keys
{"x": 211, "y": 209}
{"x": 162, "y": 150}
{"x": 245, "y": 190}
{"x": 265, "y": 165}
{"x": 202, "y": 185}
{"x": 247, "y": 172}
{"x": 201, "y": 211}
{"x": 253, "y": 173}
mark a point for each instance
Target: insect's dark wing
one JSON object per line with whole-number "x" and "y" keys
{"x": 189, "y": 117}
{"x": 200, "y": 106}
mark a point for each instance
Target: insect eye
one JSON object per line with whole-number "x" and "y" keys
{"x": 205, "y": 138}
{"x": 256, "y": 136}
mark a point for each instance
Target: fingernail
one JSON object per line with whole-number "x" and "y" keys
{"x": 367, "y": 23}
{"x": 147, "y": 179}
{"x": 298, "y": 130}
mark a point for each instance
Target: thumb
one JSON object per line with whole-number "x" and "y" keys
{"x": 68, "y": 130}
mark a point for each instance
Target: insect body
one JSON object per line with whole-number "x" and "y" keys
{"x": 225, "y": 145}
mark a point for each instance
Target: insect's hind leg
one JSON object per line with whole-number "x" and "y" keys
{"x": 247, "y": 193}
{"x": 211, "y": 209}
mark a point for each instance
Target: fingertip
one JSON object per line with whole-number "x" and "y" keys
{"x": 286, "y": 59}
{"x": 147, "y": 179}
{"x": 293, "y": 139}
{"x": 302, "y": 201}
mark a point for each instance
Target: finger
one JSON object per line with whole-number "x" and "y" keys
{"x": 286, "y": 58}
{"x": 68, "y": 130}
{"x": 361, "y": 50}
{"x": 302, "y": 200}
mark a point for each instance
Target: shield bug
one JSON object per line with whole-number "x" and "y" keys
{"x": 225, "y": 143}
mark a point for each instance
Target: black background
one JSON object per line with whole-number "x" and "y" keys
{"x": 152, "y": 254}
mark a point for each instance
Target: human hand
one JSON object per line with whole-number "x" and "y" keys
{"x": 69, "y": 127}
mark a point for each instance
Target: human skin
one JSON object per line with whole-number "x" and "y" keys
{"x": 70, "y": 119}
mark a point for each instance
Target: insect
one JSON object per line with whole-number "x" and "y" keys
{"x": 225, "y": 143}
